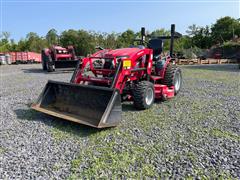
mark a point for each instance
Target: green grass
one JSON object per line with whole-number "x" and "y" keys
{"x": 218, "y": 133}
{"x": 107, "y": 160}
{"x": 185, "y": 120}
{"x": 2, "y": 150}
{"x": 63, "y": 130}
{"x": 211, "y": 75}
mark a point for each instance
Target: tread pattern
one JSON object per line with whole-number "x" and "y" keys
{"x": 168, "y": 77}
{"x": 139, "y": 94}
{"x": 170, "y": 72}
{"x": 50, "y": 67}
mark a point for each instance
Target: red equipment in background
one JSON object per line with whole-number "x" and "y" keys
{"x": 58, "y": 57}
{"x": 99, "y": 84}
{"x": 24, "y": 57}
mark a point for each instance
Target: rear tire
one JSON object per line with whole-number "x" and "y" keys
{"x": 173, "y": 77}
{"x": 177, "y": 80}
{"x": 168, "y": 76}
{"x": 143, "y": 95}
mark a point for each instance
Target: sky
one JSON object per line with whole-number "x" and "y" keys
{"x": 20, "y": 17}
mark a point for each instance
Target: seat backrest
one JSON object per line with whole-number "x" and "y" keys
{"x": 156, "y": 45}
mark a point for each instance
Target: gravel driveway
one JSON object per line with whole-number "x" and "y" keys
{"x": 196, "y": 134}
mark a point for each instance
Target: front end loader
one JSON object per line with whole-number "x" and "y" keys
{"x": 102, "y": 81}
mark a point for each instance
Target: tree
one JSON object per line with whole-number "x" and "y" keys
{"x": 192, "y": 30}
{"x": 185, "y": 42}
{"x": 100, "y": 39}
{"x": 83, "y": 41}
{"x": 52, "y": 37}
{"x": 202, "y": 38}
{"x": 4, "y": 42}
{"x": 160, "y": 32}
{"x": 5, "y": 36}
{"x": 126, "y": 38}
{"x": 225, "y": 29}
{"x": 22, "y": 45}
{"x": 111, "y": 41}
{"x": 34, "y": 42}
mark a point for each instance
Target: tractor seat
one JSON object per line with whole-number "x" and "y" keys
{"x": 157, "y": 46}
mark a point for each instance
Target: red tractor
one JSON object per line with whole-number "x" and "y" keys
{"x": 99, "y": 85}
{"x": 58, "y": 57}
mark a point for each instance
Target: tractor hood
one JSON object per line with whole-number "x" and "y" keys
{"x": 128, "y": 52}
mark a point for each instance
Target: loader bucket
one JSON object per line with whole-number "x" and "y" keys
{"x": 94, "y": 106}
{"x": 66, "y": 63}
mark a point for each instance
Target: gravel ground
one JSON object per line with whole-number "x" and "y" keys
{"x": 196, "y": 134}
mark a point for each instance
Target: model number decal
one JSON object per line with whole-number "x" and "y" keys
{"x": 127, "y": 63}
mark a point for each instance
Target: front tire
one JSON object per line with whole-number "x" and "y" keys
{"x": 143, "y": 95}
{"x": 49, "y": 64}
{"x": 44, "y": 66}
{"x": 75, "y": 72}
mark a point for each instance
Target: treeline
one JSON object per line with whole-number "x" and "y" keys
{"x": 223, "y": 30}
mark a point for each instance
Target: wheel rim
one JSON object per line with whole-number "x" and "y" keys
{"x": 149, "y": 96}
{"x": 177, "y": 81}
